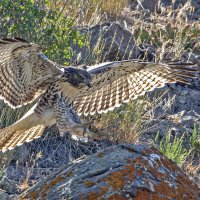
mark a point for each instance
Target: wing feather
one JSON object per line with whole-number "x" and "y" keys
{"x": 115, "y": 83}
{"x": 24, "y": 71}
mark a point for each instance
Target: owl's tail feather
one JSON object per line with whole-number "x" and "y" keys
{"x": 10, "y": 137}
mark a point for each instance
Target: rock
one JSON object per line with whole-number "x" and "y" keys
{"x": 35, "y": 160}
{"x": 191, "y": 57}
{"x": 9, "y": 186}
{"x": 108, "y": 42}
{"x": 189, "y": 118}
{"x": 178, "y": 110}
{"x": 4, "y": 195}
{"x": 149, "y": 5}
{"x": 119, "y": 172}
{"x": 176, "y": 3}
{"x": 183, "y": 8}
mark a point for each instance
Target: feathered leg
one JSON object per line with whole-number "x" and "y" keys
{"x": 68, "y": 120}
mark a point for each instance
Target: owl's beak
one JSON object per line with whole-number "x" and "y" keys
{"x": 88, "y": 83}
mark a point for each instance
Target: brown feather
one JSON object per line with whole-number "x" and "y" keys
{"x": 23, "y": 72}
{"x": 125, "y": 80}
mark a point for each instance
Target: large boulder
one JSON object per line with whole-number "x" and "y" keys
{"x": 181, "y": 8}
{"x": 4, "y": 195}
{"x": 108, "y": 42}
{"x": 118, "y": 172}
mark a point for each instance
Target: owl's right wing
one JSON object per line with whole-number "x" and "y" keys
{"x": 115, "y": 83}
{"x": 25, "y": 71}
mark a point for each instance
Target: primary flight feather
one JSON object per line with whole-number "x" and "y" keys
{"x": 59, "y": 92}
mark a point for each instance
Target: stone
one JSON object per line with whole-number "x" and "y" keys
{"x": 118, "y": 172}
{"x": 182, "y": 7}
{"x": 148, "y": 4}
{"x": 109, "y": 42}
{"x": 8, "y": 185}
{"x": 4, "y": 195}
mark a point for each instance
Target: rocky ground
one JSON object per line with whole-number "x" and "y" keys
{"x": 178, "y": 111}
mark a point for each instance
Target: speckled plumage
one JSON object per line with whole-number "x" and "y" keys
{"x": 26, "y": 75}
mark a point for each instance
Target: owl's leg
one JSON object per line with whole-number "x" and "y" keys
{"x": 81, "y": 130}
{"x": 68, "y": 121}
{"x": 74, "y": 128}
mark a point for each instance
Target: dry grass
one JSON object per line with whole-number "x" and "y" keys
{"x": 90, "y": 12}
{"x": 124, "y": 124}
{"x": 171, "y": 38}
{"x": 130, "y": 121}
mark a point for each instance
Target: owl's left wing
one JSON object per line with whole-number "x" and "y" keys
{"x": 118, "y": 82}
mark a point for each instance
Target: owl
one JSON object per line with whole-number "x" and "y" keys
{"x": 60, "y": 92}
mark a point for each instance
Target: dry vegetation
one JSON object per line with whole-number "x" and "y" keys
{"x": 91, "y": 12}
{"x": 171, "y": 37}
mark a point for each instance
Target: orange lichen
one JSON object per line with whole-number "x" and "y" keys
{"x": 96, "y": 195}
{"x": 46, "y": 187}
{"x": 115, "y": 180}
{"x": 142, "y": 195}
{"x": 169, "y": 164}
{"x": 119, "y": 178}
{"x": 103, "y": 190}
{"x": 32, "y": 195}
{"x": 179, "y": 192}
{"x": 116, "y": 197}
{"x": 150, "y": 151}
{"x": 92, "y": 196}
{"x": 88, "y": 183}
{"x": 163, "y": 192}
{"x": 147, "y": 195}
{"x": 43, "y": 190}
{"x": 139, "y": 161}
{"x": 186, "y": 187}
{"x": 100, "y": 155}
{"x": 165, "y": 189}
{"x": 69, "y": 173}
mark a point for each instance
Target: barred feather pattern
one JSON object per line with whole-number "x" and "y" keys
{"x": 119, "y": 82}
{"x": 24, "y": 72}
{"x": 19, "y": 137}
{"x": 27, "y": 75}
{"x": 53, "y": 107}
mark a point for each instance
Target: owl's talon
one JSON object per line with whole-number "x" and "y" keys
{"x": 87, "y": 132}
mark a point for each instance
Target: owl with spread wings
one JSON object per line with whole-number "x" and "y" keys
{"x": 59, "y": 92}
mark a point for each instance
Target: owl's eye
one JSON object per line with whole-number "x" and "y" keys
{"x": 81, "y": 77}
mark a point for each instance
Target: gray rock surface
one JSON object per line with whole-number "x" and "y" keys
{"x": 4, "y": 195}
{"x": 183, "y": 7}
{"x": 108, "y": 42}
{"x": 119, "y": 172}
{"x": 9, "y": 186}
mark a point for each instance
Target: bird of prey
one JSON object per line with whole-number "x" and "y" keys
{"x": 59, "y": 92}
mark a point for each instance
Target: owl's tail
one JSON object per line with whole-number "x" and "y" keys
{"x": 24, "y": 130}
{"x": 10, "y": 137}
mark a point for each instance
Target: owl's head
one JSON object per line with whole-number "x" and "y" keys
{"x": 77, "y": 77}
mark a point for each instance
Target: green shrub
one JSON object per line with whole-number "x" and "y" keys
{"x": 37, "y": 23}
{"x": 173, "y": 148}
{"x": 124, "y": 124}
{"x": 194, "y": 139}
